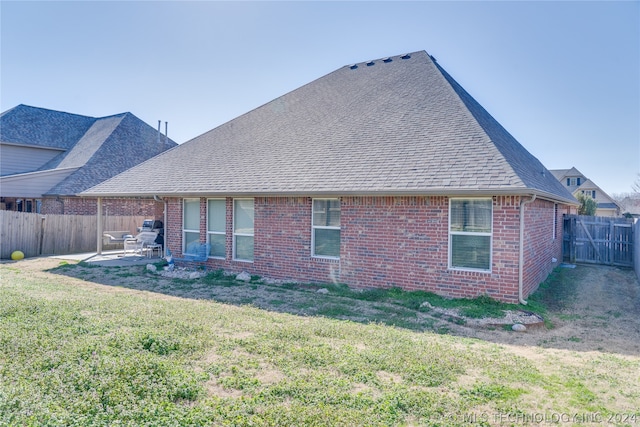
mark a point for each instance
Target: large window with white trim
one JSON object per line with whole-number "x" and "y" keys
{"x": 217, "y": 227}
{"x": 326, "y": 228}
{"x": 470, "y": 233}
{"x": 190, "y": 223}
{"x": 243, "y": 229}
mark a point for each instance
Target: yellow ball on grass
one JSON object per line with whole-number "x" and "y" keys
{"x": 17, "y": 255}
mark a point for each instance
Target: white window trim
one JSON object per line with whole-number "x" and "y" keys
{"x": 470, "y": 233}
{"x": 242, "y": 234}
{"x": 322, "y": 227}
{"x": 188, "y": 230}
{"x": 223, "y": 233}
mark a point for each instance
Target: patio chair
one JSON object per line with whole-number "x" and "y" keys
{"x": 142, "y": 241}
{"x": 197, "y": 253}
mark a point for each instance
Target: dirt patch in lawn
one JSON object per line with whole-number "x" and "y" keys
{"x": 590, "y": 308}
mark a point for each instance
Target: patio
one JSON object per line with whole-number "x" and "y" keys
{"x": 111, "y": 258}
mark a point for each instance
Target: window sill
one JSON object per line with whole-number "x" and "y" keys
{"x": 325, "y": 258}
{"x": 468, "y": 270}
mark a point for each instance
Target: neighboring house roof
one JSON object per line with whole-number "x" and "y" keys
{"x": 603, "y": 199}
{"x": 41, "y": 127}
{"x": 92, "y": 149}
{"x": 560, "y": 174}
{"x": 631, "y": 205}
{"x": 399, "y": 125}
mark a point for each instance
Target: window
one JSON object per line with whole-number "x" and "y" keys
{"x": 190, "y": 223}
{"x": 243, "y": 229}
{"x": 326, "y": 228}
{"x": 470, "y": 231}
{"x": 591, "y": 193}
{"x": 216, "y": 227}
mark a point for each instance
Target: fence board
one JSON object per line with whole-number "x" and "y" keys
{"x": 36, "y": 234}
{"x": 598, "y": 240}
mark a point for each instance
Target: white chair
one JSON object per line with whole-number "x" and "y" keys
{"x": 141, "y": 242}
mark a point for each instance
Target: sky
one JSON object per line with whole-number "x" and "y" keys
{"x": 563, "y": 77}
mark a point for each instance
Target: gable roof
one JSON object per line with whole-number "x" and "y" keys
{"x": 560, "y": 174}
{"x": 399, "y": 125}
{"x": 95, "y": 149}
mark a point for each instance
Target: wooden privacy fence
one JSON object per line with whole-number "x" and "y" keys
{"x": 598, "y": 240}
{"x": 36, "y": 234}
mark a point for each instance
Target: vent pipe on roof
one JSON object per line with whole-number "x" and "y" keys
{"x": 166, "y": 132}
{"x": 159, "y": 121}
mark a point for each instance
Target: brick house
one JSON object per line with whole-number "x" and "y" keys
{"x": 380, "y": 174}
{"x": 48, "y": 157}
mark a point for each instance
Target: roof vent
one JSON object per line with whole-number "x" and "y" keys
{"x": 387, "y": 60}
{"x": 407, "y": 56}
{"x": 370, "y": 63}
{"x": 353, "y": 67}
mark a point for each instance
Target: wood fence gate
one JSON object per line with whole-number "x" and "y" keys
{"x": 598, "y": 240}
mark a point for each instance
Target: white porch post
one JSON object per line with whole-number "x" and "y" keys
{"x": 99, "y": 214}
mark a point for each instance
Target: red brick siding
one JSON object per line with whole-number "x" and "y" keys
{"x": 387, "y": 242}
{"x": 404, "y": 242}
{"x": 540, "y": 247}
{"x": 111, "y": 207}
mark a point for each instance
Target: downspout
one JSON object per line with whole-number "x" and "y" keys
{"x": 520, "y": 264}
{"x": 164, "y": 223}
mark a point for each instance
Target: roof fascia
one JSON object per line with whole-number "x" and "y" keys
{"x": 435, "y": 192}
{"x": 17, "y": 144}
{"x": 20, "y": 176}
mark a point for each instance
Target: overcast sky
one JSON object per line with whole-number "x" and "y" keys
{"x": 562, "y": 77}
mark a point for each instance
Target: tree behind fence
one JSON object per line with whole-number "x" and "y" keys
{"x": 36, "y": 234}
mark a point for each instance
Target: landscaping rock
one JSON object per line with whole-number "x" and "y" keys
{"x": 195, "y": 275}
{"x": 152, "y": 268}
{"x": 244, "y": 277}
{"x": 519, "y": 327}
{"x": 323, "y": 291}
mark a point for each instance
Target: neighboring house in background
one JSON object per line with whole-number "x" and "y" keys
{"x": 576, "y": 183}
{"x": 631, "y": 206}
{"x": 379, "y": 174}
{"x": 48, "y": 157}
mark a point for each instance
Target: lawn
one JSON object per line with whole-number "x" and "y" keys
{"x": 76, "y": 352}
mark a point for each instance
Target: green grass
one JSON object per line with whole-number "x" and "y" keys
{"x": 77, "y": 353}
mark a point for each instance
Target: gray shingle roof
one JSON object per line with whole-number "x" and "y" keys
{"x": 41, "y": 127}
{"x": 99, "y": 147}
{"x": 395, "y": 126}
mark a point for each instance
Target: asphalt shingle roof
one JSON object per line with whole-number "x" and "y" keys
{"x": 99, "y": 147}
{"x": 399, "y": 125}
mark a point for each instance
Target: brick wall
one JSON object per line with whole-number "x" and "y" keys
{"x": 112, "y": 207}
{"x": 541, "y": 246}
{"x": 387, "y": 242}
